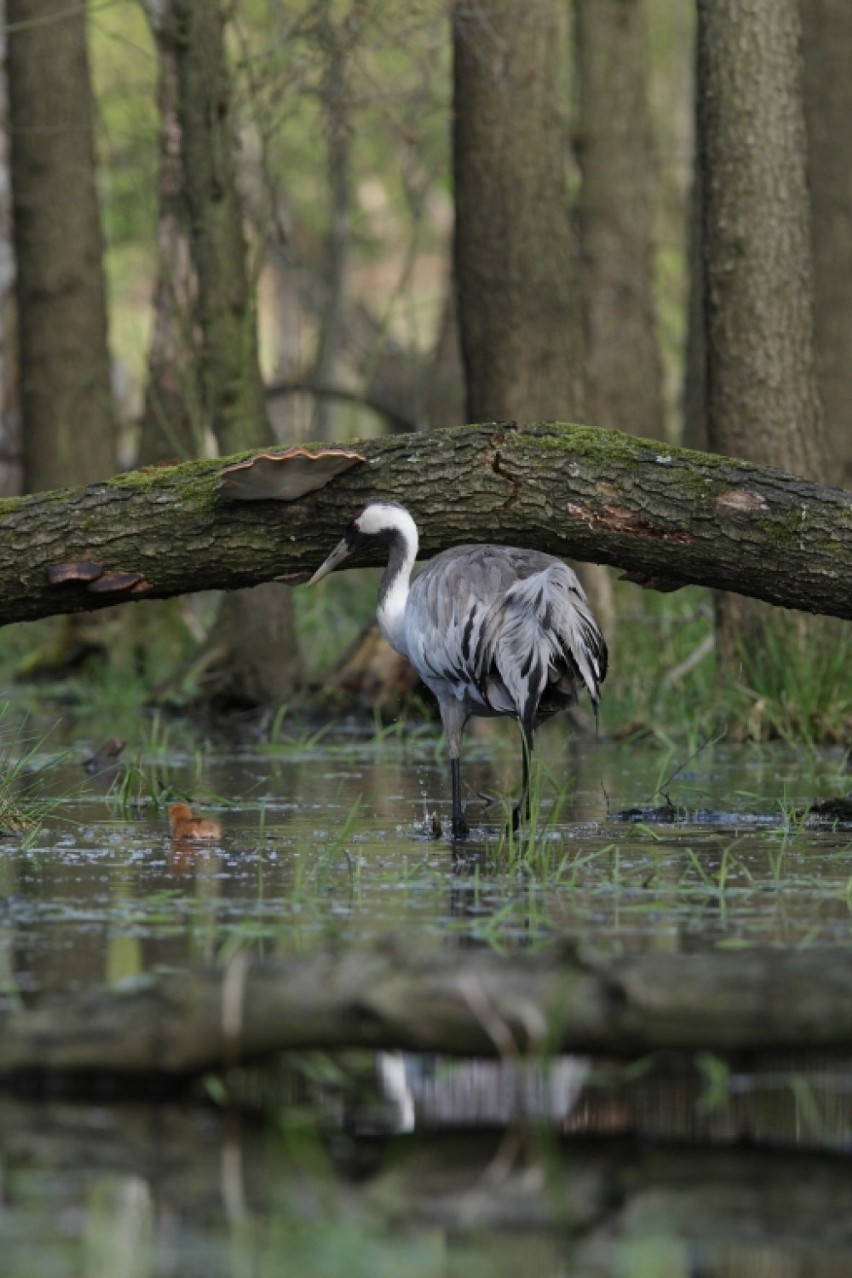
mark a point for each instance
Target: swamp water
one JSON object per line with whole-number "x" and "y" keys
{"x": 351, "y": 1165}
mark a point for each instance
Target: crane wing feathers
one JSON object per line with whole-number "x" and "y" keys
{"x": 542, "y": 640}
{"x": 506, "y": 627}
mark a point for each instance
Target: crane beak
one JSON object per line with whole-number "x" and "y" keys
{"x": 341, "y": 551}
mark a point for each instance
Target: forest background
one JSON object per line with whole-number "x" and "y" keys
{"x": 232, "y": 225}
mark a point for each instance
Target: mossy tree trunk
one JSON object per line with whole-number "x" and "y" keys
{"x": 173, "y": 423}
{"x": 225, "y": 307}
{"x": 669, "y": 516}
{"x": 255, "y": 628}
{"x": 337, "y": 96}
{"x": 694, "y": 425}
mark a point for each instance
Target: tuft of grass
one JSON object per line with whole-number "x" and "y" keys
{"x": 21, "y": 811}
{"x": 534, "y": 847}
{"x": 797, "y": 683}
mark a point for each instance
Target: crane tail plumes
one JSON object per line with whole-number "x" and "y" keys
{"x": 542, "y": 644}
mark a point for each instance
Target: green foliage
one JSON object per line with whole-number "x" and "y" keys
{"x": 661, "y": 678}
{"x": 22, "y": 762}
{"x": 797, "y": 683}
{"x": 663, "y": 682}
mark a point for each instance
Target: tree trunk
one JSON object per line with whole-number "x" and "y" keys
{"x": 172, "y": 427}
{"x": 255, "y": 627}
{"x": 517, "y": 283}
{"x": 669, "y": 518}
{"x": 386, "y": 997}
{"x": 756, "y": 234}
{"x": 695, "y": 356}
{"x": 11, "y": 447}
{"x": 338, "y": 141}
{"x": 616, "y": 217}
{"x": 233, "y": 393}
{"x": 518, "y": 304}
{"x": 827, "y": 56}
{"x": 69, "y": 434}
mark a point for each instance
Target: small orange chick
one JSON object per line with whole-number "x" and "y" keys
{"x": 184, "y": 826}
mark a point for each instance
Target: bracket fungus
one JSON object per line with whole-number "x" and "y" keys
{"x": 108, "y": 583}
{"x": 96, "y": 579}
{"x": 285, "y": 476}
{"x": 78, "y": 571}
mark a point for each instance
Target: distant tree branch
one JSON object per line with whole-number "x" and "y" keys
{"x": 396, "y": 420}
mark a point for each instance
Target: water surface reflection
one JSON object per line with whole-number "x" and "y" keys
{"x": 401, "y": 1165}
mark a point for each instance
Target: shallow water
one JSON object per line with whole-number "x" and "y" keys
{"x": 404, "y": 1166}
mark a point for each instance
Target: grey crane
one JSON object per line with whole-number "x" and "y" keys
{"x": 491, "y": 630}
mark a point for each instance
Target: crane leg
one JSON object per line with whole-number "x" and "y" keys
{"x": 460, "y": 830}
{"x": 521, "y": 811}
{"x": 453, "y": 717}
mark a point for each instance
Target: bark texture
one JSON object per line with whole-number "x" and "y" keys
{"x": 616, "y": 217}
{"x": 669, "y": 517}
{"x": 518, "y": 305}
{"x": 255, "y": 628}
{"x": 68, "y": 435}
{"x": 172, "y": 426}
{"x": 337, "y": 97}
{"x": 762, "y": 400}
{"x": 388, "y": 997}
{"x": 759, "y": 294}
{"x": 232, "y": 389}
{"x": 827, "y": 56}
{"x": 694, "y": 432}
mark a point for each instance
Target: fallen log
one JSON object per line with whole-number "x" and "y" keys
{"x": 668, "y": 516}
{"x": 389, "y": 996}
